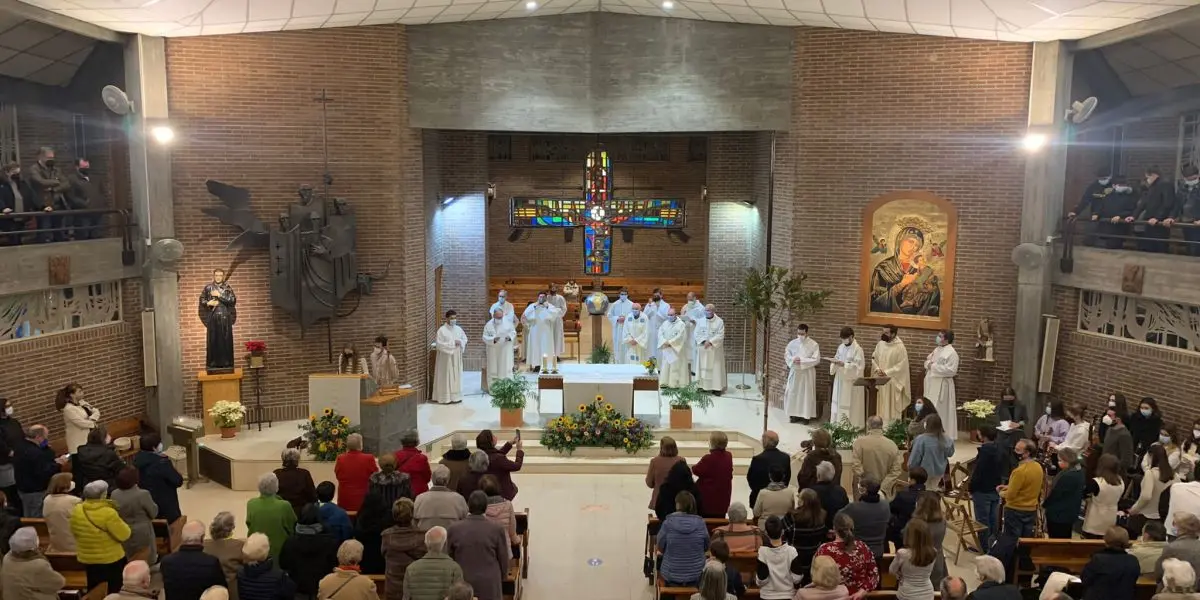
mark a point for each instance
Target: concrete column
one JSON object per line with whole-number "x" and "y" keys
{"x": 150, "y": 182}
{"x": 1041, "y": 210}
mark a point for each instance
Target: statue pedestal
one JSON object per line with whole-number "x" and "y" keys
{"x": 385, "y": 416}
{"x": 215, "y": 388}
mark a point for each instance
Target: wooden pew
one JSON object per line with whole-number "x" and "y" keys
{"x": 129, "y": 426}
{"x": 1070, "y": 555}
{"x": 68, "y": 565}
{"x": 162, "y": 536}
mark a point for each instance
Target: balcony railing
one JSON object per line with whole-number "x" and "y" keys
{"x": 1127, "y": 235}
{"x": 47, "y": 227}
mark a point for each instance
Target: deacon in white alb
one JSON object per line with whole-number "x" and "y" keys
{"x": 505, "y": 306}
{"x": 940, "y": 369}
{"x": 656, "y": 315}
{"x": 710, "y": 352}
{"x": 556, "y": 300}
{"x": 847, "y": 365}
{"x": 618, "y": 312}
{"x": 672, "y": 338}
{"x": 891, "y": 358}
{"x": 635, "y": 338}
{"x": 801, "y": 358}
{"x": 448, "y": 370}
{"x": 692, "y": 312}
{"x": 539, "y": 320}
{"x": 498, "y": 336}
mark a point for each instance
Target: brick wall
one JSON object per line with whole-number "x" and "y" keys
{"x": 1089, "y": 367}
{"x": 875, "y": 113}
{"x": 244, "y": 111}
{"x": 543, "y": 251}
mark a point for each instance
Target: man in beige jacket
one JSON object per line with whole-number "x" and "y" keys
{"x": 878, "y": 456}
{"x": 27, "y": 574}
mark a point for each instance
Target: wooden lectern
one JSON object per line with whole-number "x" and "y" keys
{"x": 871, "y": 385}
{"x": 214, "y": 388}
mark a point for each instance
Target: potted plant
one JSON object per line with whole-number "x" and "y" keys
{"x": 510, "y": 395}
{"x": 227, "y": 415}
{"x": 651, "y": 365}
{"x": 772, "y": 297}
{"x": 258, "y": 352}
{"x": 979, "y": 413}
{"x": 843, "y": 432}
{"x": 682, "y": 400}
{"x": 897, "y": 431}
{"x": 601, "y": 355}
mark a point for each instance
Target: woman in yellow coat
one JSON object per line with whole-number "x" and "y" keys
{"x": 99, "y": 533}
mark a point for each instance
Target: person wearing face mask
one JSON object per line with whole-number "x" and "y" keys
{"x": 1093, "y": 194}
{"x": 635, "y": 340}
{"x": 891, "y": 359}
{"x": 800, "y": 359}
{"x": 690, "y": 314}
{"x": 1189, "y": 452}
{"x": 16, "y": 196}
{"x": 498, "y": 336}
{"x": 448, "y": 368}
{"x": 846, "y": 366}
{"x": 538, "y": 320}
{"x": 1078, "y": 433}
{"x": 48, "y": 186}
{"x": 618, "y": 313}
{"x": 505, "y": 307}
{"x": 1110, "y": 214}
{"x": 1065, "y": 495}
{"x": 12, "y": 434}
{"x": 1116, "y": 401}
{"x": 1189, "y": 206}
{"x": 1013, "y": 416}
{"x": 656, "y": 314}
{"x": 349, "y": 362}
{"x": 159, "y": 477}
{"x": 35, "y": 464}
{"x": 556, "y": 300}
{"x": 1157, "y": 208}
{"x": 710, "y": 352}
{"x": 1145, "y": 424}
{"x": 79, "y": 417}
{"x": 384, "y": 370}
{"x": 940, "y": 369}
{"x": 1052, "y": 427}
{"x": 1166, "y": 439}
{"x": 1022, "y": 492}
{"x": 671, "y": 345}
{"x": 82, "y": 193}
{"x": 1117, "y": 441}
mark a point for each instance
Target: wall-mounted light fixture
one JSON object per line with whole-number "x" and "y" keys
{"x": 491, "y": 192}
{"x": 704, "y": 193}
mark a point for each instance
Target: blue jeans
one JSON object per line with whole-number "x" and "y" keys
{"x": 987, "y": 511}
{"x": 1019, "y": 523}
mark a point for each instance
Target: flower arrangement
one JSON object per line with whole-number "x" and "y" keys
{"x": 980, "y": 412}
{"x": 227, "y": 414}
{"x": 511, "y": 392}
{"x": 326, "y": 434}
{"x": 256, "y": 346}
{"x": 597, "y": 425}
{"x": 650, "y": 364}
{"x": 688, "y": 396}
{"x": 843, "y": 432}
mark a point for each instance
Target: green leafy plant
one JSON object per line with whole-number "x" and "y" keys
{"x": 601, "y": 355}
{"x": 774, "y": 297}
{"x": 326, "y": 434}
{"x": 843, "y": 432}
{"x": 897, "y": 431}
{"x": 688, "y": 396}
{"x": 510, "y": 392}
{"x": 597, "y": 425}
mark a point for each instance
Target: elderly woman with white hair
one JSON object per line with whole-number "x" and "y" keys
{"x": 993, "y": 585}
{"x": 295, "y": 484}
{"x": 740, "y": 536}
{"x": 826, "y": 582}
{"x": 259, "y": 578}
{"x": 712, "y": 583}
{"x": 456, "y": 459}
{"x": 226, "y": 548}
{"x": 269, "y": 514}
{"x": 832, "y": 495}
{"x": 1179, "y": 581}
{"x": 353, "y": 471}
{"x": 469, "y": 482}
{"x": 1186, "y": 545}
{"x": 346, "y": 582}
{"x": 99, "y": 533}
{"x": 27, "y": 574}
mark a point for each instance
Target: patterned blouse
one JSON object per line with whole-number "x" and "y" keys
{"x": 859, "y": 571}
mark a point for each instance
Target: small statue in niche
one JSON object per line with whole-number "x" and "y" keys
{"x": 984, "y": 341}
{"x": 218, "y": 312}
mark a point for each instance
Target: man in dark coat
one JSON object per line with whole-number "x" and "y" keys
{"x": 187, "y": 572}
{"x": 83, "y": 192}
{"x": 1157, "y": 208}
{"x": 16, "y": 196}
{"x": 1189, "y": 206}
{"x": 158, "y": 476}
{"x": 759, "y": 473}
{"x": 34, "y": 464}
{"x": 479, "y": 546}
{"x": 48, "y": 186}
{"x": 1112, "y": 211}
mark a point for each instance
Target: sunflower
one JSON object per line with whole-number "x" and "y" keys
{"x": 626, "y": 440}
{"x": 328, "y": 411}
{"x": 599, "y": 398}
{"x": 582, "y": 408}
{"x": 607, "y": 407}
{"x": 312, "y": 417}
{"x": 334, "y": 431}
{"x": 345, "y": 420}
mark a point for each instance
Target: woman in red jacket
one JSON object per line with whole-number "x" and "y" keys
{"x": 714, "y": 477}
{"x": 353, "y": 469}
{"x": 409, "y": 459}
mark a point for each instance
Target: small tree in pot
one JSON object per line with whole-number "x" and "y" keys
{"x": 682, "y": 400}
{"x": 510, "y": 396}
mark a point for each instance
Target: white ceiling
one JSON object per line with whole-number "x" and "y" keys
{"x": 1009, "y": 20}
{"x": 40, "y": 53}
{"x": 1159, "y": 61}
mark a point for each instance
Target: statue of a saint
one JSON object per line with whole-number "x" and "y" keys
{"x": 984, "y": 336}
{"x": 218, "y": 312}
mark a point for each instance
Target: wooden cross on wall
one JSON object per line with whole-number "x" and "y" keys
{"x": 597, "y": 212}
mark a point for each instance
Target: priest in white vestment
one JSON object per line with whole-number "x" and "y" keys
{"x": 635, "y": 340}
{"x": 692, "y": 311}
{"x": 539, "y": 319}
{"x": 448, "y": 369}
{"x": 504, "y": 305}
{"x": 557, "y": 301}
{"x": 710, "y": 352}
{"x": 498, "y": 336}
{"x": 801, "y": 358}
{"x": 849, "y": 400}
{"x": 618, "y": 312}
{"x": 656, "y": 315}
{"x": 891, "y": 359}
{"x": 672, "y": 338}
{"x": 383, "y": 365}
{"x": 940, "y": 368}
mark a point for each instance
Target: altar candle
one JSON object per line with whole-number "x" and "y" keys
{"x": 554, "y": 364}
{"x": 543, "y": 362}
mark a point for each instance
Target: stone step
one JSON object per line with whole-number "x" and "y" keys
{"x": 691, "y": 450}
{"x": 574, "y": 465}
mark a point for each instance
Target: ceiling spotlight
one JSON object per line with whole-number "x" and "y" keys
{"x": 531, "y": 5}
{"x": 668, "y": 5}
{"x": 162, "y": 134}
{"x": 1034, "y": 141}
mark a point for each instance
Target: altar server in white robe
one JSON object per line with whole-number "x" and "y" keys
{"x": 801, "y": 358}
{"x": 618, "y": 312}
{"x": 556, "y": 300}
{"x": 940, "y": 369}
{"x": 539, "y": 320}
{"x": 656, "y": 315}
{"x": 710, "y": 352}
{"x": 498, "y": 336}
{"x": 891, "y": 359}
{"x": 847, "y": 366}
{"x": 635, "y": 338}
{"x": 672, "y": 341}
{"x": 506, "y": 307}
{"x": 692, "y": 311}
{"x": 448, "y": 370}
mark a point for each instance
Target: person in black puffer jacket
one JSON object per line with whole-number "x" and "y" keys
{"x": 1112, "y": 573}
{"x": 310, "y": 553}
{"x": 259, "y": 578}
{"x": 1157, "y": 208}
{"x": 159, "y": 477}
{"x": 11, "y": 436}
{"x": 96, "y": 461}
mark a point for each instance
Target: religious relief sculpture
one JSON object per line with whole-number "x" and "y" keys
{"x": 907, "y": 275}
{"x": 218, "y": 312}
{"x": 984, "y": 341}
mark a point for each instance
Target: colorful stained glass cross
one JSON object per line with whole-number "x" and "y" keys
{"x": 597, "y": 212}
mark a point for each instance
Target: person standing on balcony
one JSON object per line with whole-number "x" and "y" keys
{"x": 1189, "y": 200}
{"x": 1157, "y": 208}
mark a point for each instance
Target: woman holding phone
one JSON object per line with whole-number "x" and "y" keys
{"x": 499, "y": 464}
{"x": 79, "y": 417}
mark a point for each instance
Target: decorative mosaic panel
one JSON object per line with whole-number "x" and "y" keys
{"x": 1140, "y": 320}
{"x": 24, "y": 316}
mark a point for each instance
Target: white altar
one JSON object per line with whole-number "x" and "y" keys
{"x": 583, "y": 382}
{"x": 341, "y": 392}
